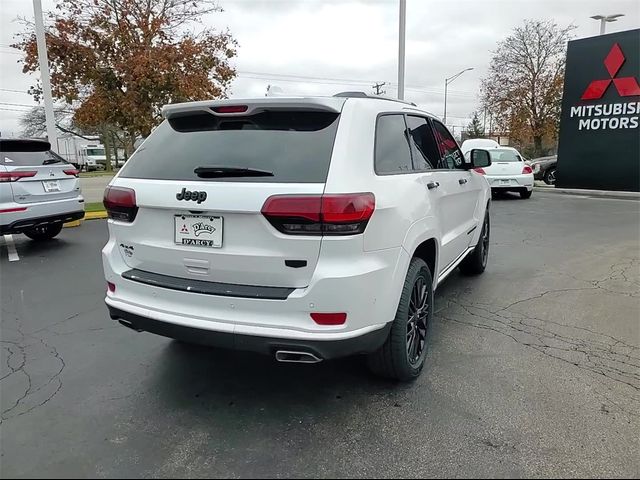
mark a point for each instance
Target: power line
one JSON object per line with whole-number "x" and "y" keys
{"x": 341, "y": 81}
{"x": 18, "y": 104}
{"x": 13, "y": 90}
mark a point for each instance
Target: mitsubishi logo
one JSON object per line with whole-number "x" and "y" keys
{"x": 626, "y": 86}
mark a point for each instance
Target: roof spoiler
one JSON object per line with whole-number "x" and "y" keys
{"x": 328, "y": 104}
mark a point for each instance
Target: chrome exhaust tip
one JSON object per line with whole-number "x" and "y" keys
{"x": 296, "y": 357}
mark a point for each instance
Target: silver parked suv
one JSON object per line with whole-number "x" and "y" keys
{"x": 39, "y": 190}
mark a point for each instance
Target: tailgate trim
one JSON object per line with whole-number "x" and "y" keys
{"x": 207, "y": 288}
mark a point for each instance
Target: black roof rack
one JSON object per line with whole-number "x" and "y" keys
{"x": 366, "y": 95}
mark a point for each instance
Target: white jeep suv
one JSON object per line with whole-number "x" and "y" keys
{"x": 302, "y": 228}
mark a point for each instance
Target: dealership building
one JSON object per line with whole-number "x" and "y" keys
{"x": 599, "y": 145}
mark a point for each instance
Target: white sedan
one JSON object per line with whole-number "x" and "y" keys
{"x": 508, "y": 172}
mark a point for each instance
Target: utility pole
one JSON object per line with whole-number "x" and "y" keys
{"x": 378, "y": 88}
{"x": 401, "y": 47}
{"x": 44, "y": 73}
{"x": 484, "y": 121}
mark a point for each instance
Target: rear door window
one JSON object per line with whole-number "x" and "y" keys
{"x": 423, "y": 145}
{"x": 450, "y": 154}
{"x": 295, "y": 146}
{"x": 392, "y": 153}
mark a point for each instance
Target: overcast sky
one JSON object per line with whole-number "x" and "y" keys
{"x": 327, "y": 46}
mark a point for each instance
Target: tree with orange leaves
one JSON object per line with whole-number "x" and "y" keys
{"x": 119, "y": 61}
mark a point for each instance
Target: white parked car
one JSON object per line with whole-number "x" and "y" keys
{"x": 302, "y": 228}
{"x": 482, "y": 143}
{"x": 39, "y": 190}
{"x": 508, "y": 172}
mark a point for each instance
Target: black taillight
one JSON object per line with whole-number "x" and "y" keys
{"x": 120, "y": 204}
{"x": 330, "y": 214}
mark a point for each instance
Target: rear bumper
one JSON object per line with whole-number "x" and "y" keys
{"x": 20, "y": 226}
{"x": 28, "y": 215}
{"x": 323, "y": 349}
{"x": 510, "y": 182}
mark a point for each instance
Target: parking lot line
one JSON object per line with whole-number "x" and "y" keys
{"x": 11, "y": 247}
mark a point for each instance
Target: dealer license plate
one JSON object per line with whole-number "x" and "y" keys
{"x": 198, "y": 230}
{"x": 51, "y": 186}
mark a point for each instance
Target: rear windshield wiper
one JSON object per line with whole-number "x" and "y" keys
{"x": 220, "y": 172}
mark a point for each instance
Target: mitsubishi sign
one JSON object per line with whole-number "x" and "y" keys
{"x": 600, "y": 124}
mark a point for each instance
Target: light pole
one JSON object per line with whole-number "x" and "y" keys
{"x": 402, "y": 27}
{"x": 44, "y": 73}
{"x": 447, "y": 81}
{"x": 606, "y": 18}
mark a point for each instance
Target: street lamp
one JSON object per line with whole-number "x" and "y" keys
{"x": 447, "y": 81}
{"x": 606, "y": 18}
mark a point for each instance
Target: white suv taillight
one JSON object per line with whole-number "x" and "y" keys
{"x": 120, "y": 204}
{"x": 341, "y": 214}
{"x": 527, "y": 170}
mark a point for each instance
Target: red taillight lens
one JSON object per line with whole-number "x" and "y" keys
{"x": 72, "y": 172}
{"x": 120, "y": 204}
{"x": 231, "y": 109}
{"x": 15, "y": 176}
{"x": 480, "y": 171}
{"x": 329, "y": 318}
{"x": 527, "y": 169}
{"x": 111, "y": 287}
{"x": 342, "y": 214}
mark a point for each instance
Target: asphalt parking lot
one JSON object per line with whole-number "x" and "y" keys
{"x": 534, "y": 370}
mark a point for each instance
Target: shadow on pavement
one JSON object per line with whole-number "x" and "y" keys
{"x": 202, "y": 378}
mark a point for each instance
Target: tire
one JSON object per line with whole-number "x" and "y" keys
{"x": 44, "y": 232}
{"x": 525, "y": 194}
{"x": 392, "y": 360}
{"x": 550, "y": 176}
{"x": 476, "y": 261}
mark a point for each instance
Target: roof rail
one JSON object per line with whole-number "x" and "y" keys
{"x": 366, "y": 95}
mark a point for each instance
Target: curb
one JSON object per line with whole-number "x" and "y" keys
{"x": 95, "y": 215}
{"x": 590, "y": 193}
{"x": 87, "y": 216}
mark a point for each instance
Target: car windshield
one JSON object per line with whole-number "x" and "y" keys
{"x": 504, "y": 156}
{"x": 96, "y": 152}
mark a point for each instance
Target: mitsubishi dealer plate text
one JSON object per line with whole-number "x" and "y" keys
{"x": 198, "y": 230}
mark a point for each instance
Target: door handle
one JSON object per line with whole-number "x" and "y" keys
{"x": 462, "y": 181}
{"x": 432, "y": 185}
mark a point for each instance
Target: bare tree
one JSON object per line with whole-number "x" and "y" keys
{"x": 523, "y": 88}
{"x": 34, "y": 125}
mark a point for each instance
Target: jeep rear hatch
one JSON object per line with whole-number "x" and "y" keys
{"x": 199, "y": 183}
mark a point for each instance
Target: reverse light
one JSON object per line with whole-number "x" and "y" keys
{"x": 526, "y": 170}
{"x": 329, "y": 318}
{"x": 340, "y": 214}
{"x": 15, "y": 176}
{"x": 480, "y": 170}
{"x": 120, "y": 204}
{"x": 231, "y": 109}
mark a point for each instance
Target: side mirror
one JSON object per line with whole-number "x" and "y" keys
{"x": 480, "y": 158}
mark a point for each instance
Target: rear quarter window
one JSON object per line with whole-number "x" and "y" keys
{"x": 296, "y": 146}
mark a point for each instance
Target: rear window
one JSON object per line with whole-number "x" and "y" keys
{"x": 16, "y": 153}
{"x": 295, "y": 146}
{"x": 504, "y": 156}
